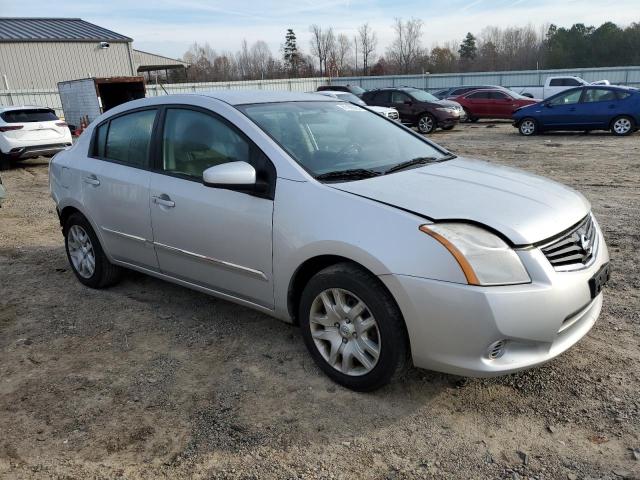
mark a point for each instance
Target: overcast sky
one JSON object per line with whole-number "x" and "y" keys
{"x": 168, "y": 27}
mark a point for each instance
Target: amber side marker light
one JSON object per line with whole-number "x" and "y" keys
{"x": 472, "y": 279}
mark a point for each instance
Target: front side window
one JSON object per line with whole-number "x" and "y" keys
{"x": 499, "y": 96}
{"x": 194, "y": 141}
{"x": 334, "y": 137}
{"x": 568, "y": 98}
{"x": 598, "y": 95}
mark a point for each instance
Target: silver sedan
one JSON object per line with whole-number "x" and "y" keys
{"x": 385, "y": 248}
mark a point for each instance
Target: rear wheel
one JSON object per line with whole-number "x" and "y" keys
{"x": 622, "y": 125}
{"x": 353, "y": 328}
{"x": 86, "y": 257}
{"x": 470, "y": 118}
{"x": 528, "y": 127}
{"x": 427, "y": 123}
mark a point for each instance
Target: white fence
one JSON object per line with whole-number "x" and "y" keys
{"x": 616, "y": 75}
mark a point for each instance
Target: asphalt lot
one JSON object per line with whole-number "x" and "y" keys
{"x": 149, "y": 380}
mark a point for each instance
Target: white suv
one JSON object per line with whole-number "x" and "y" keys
{"x": 28, "y": 132}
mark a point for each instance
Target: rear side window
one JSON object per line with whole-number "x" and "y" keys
{"x": 382, "y": 97}
{"x": 623, "y": 95}
{"x": 479, "y": 95}
{"x": 128, "y": 138}
{"x": 29, "y": 116}
{"x": 598, "y": 95}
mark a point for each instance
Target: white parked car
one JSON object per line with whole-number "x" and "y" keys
{"x": 384, "y": 247}
{"x": 29, "y": 132}
{"x": 388, "y": 112}
{"x": 553, "y": 85}
{"x": 3, "y": 192}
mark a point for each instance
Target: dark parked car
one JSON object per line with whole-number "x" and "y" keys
{"x": 417, "y": 107}
{"x": 355, "y": 89}
{"x": 491, "y": 103}
{"x": 585, "y": 108}
{"x": 456, "y": 91}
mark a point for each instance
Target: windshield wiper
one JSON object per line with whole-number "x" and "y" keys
{"x": 352, "y": 174}
{"x": 417, "y": 161}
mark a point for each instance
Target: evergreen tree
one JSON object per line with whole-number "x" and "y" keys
{"x": 291, "y": 54}
{"x": 468, "y": 49}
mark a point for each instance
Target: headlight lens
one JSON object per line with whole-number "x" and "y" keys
{"x": 484, "y": 257}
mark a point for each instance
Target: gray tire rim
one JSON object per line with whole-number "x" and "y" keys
{"x": 345, "y": 332}
{"x": 81, "y": 251}
{"x": 528, "y": 127}
{"x": 622, "y": 126}
{"x": 425, "y": 124}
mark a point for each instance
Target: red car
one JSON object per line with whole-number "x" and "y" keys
{"x": 491, "y": 103}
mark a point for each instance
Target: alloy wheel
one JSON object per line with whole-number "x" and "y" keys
{"x": 81, "y": 251}
{"x": 622, "y": 126}
{"x": 528, "y": 127}
{"x": 425, "y": 124}
{"x": 345, "y": 332}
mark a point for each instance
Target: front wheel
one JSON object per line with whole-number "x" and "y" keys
{"x": 353, "y": 328}
{"x": 86, "y": 257}
{"x": 622, "y": 126}
{"x": 470, "y": 118}
{"x": 426, "y": 123}
{"x": 5, "y": 162}
{"x": 528, "y": 127}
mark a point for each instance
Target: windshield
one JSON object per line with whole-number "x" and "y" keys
{"x": 422, "y": 96}
{"x": 356, "y": 89}
{"x": 335, "y": 136}
{"x": 349, "y": 97}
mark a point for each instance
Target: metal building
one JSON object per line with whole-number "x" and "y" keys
{"x": 37, "y": 53}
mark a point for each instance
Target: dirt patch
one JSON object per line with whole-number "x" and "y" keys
{"x": 148, "y": 379}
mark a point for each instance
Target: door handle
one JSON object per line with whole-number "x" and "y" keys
{"x": 164, "y": 200}
{"x": 92, "y": 180}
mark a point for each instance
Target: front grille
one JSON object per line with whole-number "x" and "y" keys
{"x": 575, "y": 248}
{"x": 393, "y": 115}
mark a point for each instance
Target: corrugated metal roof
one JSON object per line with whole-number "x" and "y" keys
{"x": 55, "y": 30}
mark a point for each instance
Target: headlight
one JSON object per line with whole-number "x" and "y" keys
{"x": 446, "y": 109}
{"x": 484, "y": 257}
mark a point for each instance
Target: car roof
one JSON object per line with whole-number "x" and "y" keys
{"x": 243, "y": 97}
{"x": 23, "y": 107}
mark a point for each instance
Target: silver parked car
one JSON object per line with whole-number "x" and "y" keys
{"x": 385, "y": 248}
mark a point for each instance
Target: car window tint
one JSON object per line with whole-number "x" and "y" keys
{"x": 382, "y": 97}
{"x": 100, "y": 140}
{"x": 399, "y": 97}
{"x": 478, "y": 95}
{"x": 556, "y": 82}
{"x": 29, "y": 115}
{"x": 498, "y": 95}
{"x": 129, "y": 137}
{"x": 194, "y": 141}
{"x": 599, "y": 95}
{"x": 571, "y": 82}
{"x": 567, "y": 98}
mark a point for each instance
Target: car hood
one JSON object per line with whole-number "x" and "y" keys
{"x": 524, "y": 207}
{"x": 447, "y": 103}
{"x": 381, "y": 109}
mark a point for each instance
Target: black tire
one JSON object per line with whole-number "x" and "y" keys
{"x": 470, "y": 118}
{"x": 427, "y": 123}
{"x": 528, "y": 126}
{"x": 393, "y": 359}
{"x": 622, "y": 120}
{"x": 5, "y": 162}
{"x": 448, "y": 127}
{"x": 105, "y": 274}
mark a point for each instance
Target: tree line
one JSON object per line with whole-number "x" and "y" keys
{"x": 494, "y": 48}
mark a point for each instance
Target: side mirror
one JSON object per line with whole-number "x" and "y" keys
{"x": 231, "y": 175}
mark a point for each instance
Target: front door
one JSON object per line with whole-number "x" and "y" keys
{"x": 216, "y": 238}
{"x": 562, "y": 110}
{"x": 115, "y": 186}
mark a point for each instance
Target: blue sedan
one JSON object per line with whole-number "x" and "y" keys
{"x": 584, "y": 108}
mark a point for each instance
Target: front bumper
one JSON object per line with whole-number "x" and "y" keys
{"x": 452, "y": 326}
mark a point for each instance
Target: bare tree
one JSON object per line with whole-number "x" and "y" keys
{"x": 407, "y": 44}
{"x": 342, "y": 52}
{"x": 368, "y": 42}
{"x": 261, "y": 59}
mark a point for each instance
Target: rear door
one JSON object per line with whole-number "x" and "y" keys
{"x": 599, "y": 106}
{"x": 212, "y": 237}
{"x": 116, "y": 186}
{"x": 478, "y": 103}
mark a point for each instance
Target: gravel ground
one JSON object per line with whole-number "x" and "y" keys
{"x": 148, "y": 379}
